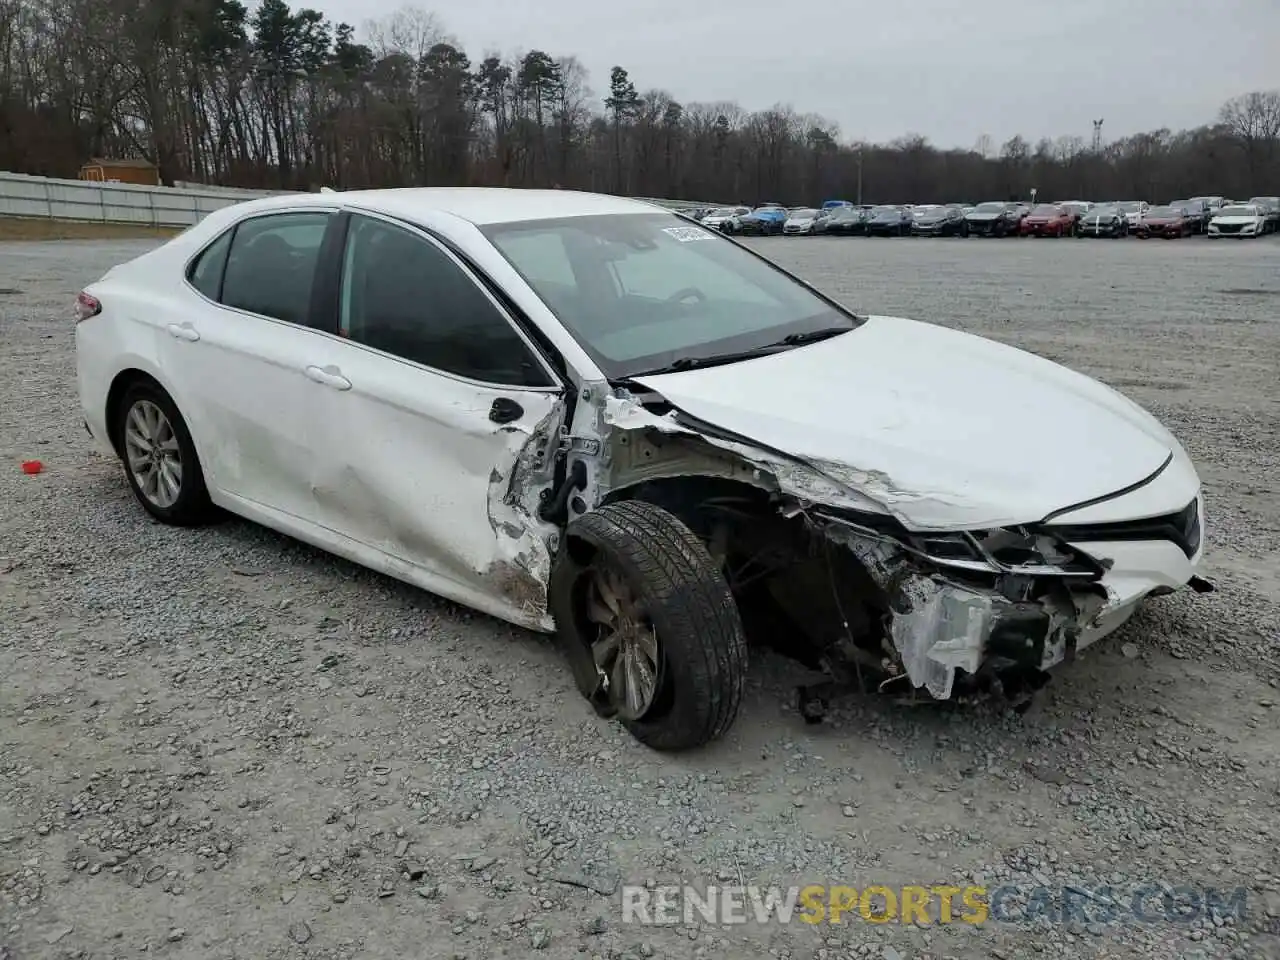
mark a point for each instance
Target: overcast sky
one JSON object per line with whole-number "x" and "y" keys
{"x": 951, "y": 70}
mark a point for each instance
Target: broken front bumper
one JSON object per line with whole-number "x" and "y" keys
{"x": 943, "y": 627}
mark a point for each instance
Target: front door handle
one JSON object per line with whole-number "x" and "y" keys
{"x": 183, "y": 331}
{"x": 330, "y": 376}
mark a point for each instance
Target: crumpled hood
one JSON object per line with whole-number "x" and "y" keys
{"x": 944, "y": 429}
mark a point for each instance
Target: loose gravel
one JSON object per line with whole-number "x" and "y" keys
{"x": 223, "y": 744}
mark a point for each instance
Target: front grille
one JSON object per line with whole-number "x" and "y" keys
{"x": 1230, "y": 227}
{"x": 1181, "y": 528}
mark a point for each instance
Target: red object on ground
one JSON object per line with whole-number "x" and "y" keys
{"x": 32, "y": 467}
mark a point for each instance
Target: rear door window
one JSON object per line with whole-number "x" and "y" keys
{"x": 272, "y": 265}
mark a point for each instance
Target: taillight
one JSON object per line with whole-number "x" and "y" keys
{"x": 86, "y": 307}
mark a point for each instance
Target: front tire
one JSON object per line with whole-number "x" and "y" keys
{"x": 649, "y": 625}
{"x": 159, "y": 457}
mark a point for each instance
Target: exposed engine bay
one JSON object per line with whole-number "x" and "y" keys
{"x": 850, "y": 590}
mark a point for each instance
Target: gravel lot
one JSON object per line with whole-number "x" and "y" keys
{"x": 221, "y": 743}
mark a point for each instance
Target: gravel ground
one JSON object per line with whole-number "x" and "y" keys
{"x": 221, "y": 743}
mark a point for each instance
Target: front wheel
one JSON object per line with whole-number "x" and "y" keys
{"x": 649, "y": 625}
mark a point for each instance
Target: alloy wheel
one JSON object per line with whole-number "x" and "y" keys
{"x": 626, "y": 651}
{"x": 153, "y": 455}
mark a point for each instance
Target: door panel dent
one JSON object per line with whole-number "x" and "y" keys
{"x": 411, "y": 466}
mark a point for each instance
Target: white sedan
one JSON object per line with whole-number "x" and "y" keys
{"x": 1239, "y": 220}
{"x": 588, "y": 416}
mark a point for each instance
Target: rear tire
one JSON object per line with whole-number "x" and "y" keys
{"x": 680, "y": 604}
{"x": 148, "y": 420}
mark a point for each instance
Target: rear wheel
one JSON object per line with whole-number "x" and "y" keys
{"x": 160, "y": 458}
{"x": 649, "y": 625}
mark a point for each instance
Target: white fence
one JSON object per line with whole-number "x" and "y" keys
{"x": 85, "y": 200}
{"x": 47, "y": 198}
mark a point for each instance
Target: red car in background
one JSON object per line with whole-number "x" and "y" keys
{"x": 1166, "y": 222}
{"x": 1048, "y": 220}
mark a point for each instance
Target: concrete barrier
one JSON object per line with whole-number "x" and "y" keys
{"x": 180, "y": 206}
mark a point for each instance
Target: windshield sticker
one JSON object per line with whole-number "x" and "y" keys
{"x": 686, "y": 234}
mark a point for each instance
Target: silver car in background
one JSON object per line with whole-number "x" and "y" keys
{"x": 1133, "y": 210}
{"x": 800, "y": 221}
{"x": 725, "y": 219}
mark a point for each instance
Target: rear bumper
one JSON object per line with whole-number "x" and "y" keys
{"x": 93, "y": 382}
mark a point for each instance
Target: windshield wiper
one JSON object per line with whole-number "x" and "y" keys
{"x": 720, "y": 359}
{"x": 811, "y": 336}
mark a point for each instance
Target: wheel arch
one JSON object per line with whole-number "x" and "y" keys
{"x": 120, "y": 384}
{"x": 685, "y": 496}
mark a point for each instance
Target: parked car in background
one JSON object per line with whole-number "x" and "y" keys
{"x": 1134, "y": 211}
{"x": 725, "y": 219}
{"x": 889, "y": 221}
{"x": 765, "y": 220}
{"x": 1197, "y": 212}
{"x": 940, "y": 222}
{"x": 1077, "y": 208}
{"x": 1104, "y": 221}
{"x": 1212, "y": 204}
{"x": 843, "y": 222}
{"x": 1272, "y": 207}
{"x": 1167, "y": 222}
{"x": 994, "y": 218}
{"x": 1246, "y": 221}
{"x": 1048, "y": 220}
{"x": 833, "y": 204}
{"x": 800, "y": 221}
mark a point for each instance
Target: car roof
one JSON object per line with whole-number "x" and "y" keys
{"x": 477, "y": 205}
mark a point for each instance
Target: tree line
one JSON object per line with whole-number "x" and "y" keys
{"x": 282, "y": 99}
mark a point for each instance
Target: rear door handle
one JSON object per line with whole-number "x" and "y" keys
{"x": 183, "y": 331}
{"x": 330, "y": 376}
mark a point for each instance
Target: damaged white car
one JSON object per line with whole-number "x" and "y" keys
{"x": 588, "y": 416}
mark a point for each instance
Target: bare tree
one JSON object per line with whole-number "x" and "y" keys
{"x": 278, "y": 96}
{"x": 1253, "y": 121}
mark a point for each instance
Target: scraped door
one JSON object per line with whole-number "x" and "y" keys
{"x": 437, "y": 424}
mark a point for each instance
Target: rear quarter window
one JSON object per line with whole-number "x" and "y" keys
{"x": 205, "y": 273}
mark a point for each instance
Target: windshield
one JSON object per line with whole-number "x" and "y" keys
{"x": 990, "y": 207}
{"x": 1159, "y": 212}
{"x": 1103, "y": 211}
{"x": 1237, "y": 212}
{"x": 846, "y": 213}
{"x": 1045, "y": 210}
{"x": 768, "y": 210}
{"x": 1130, "y": 206}
{"x": 803, "y": 214}
{"x": 640, "y": 291}
{"x": 877, "y": 211}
